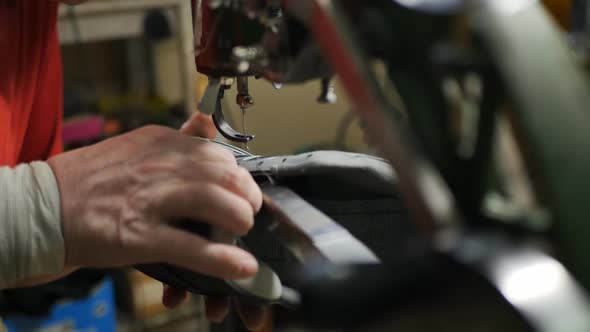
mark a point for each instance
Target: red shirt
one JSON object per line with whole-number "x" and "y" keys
{"x": 30, "y": 81}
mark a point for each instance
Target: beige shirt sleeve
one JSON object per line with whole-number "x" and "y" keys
{"x": 31, "y": 237}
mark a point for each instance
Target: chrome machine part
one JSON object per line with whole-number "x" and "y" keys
{"x": 538, "y": 286}
{"x": 327, "y": 94}
{"x": 308, "y": 233}
{"x": 541, "y": 289}
{"x": 223, "y": 126}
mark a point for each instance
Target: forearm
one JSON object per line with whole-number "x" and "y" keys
{"x": 31, "y": 237}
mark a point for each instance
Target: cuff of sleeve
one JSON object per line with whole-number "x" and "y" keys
{"x": 50, "y": 248}
{"x": 31, "y": 236}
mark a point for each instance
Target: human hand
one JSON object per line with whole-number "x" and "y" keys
{"x": 198, "y": 125}
{"x": 121, "y": 197}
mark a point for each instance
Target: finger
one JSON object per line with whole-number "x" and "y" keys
{"x": 231, "y": 177}
{"x": 216, "y": 309}
{"x": 172, "y": 297}
{"x": 204, "y": 202}
{"x": 235, "y": 179}
{"x": 183, "y": 249}
{"x": 190, "y": 126}
{"x": 200, "y": 125}
{"x": 177, "y": 165}
{"x": 253, "y": 317}
{"x": 250, "y": 189}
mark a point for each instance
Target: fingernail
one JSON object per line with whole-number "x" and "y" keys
{"x": 184, "y": 125}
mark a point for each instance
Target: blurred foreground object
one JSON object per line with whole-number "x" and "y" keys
{"x": 458, "y": 67}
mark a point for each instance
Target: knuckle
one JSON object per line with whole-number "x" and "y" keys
{"x": 227, "y": 155}
{"x": 208, "y": 189}
{"x": 232, "y": 178}
{"x": 243, "y": 217}
{"x": 243, "y": 228}
{"x": 244, "y": 174}
{"x": 254, "y": 195}
{"x": 204, "y": 150}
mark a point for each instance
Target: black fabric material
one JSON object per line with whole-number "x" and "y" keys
{"x": 357, "y": 191}
{"x": 328, "y": 171}
{"x": 379, "y": 221}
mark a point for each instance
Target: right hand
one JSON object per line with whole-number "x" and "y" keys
{"x": 120, "y": 198}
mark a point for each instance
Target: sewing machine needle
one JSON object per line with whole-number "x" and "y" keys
{"x": 246, "y": 147}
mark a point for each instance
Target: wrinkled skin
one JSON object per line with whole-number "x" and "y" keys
{"x": 114, "y": 226}
{"x": 171, "y": 176}
{"x": 121, "y": 197}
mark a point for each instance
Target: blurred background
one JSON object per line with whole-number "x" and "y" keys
{"x": 129, "y": 63}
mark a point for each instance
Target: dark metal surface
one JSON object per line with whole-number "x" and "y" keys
{"x": 225, "y": 128}
{"x": 460, "y": 291}
{"x": 540, "y": 288}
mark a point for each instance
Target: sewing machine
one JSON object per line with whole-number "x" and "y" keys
{"x": 501, "y": 214}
